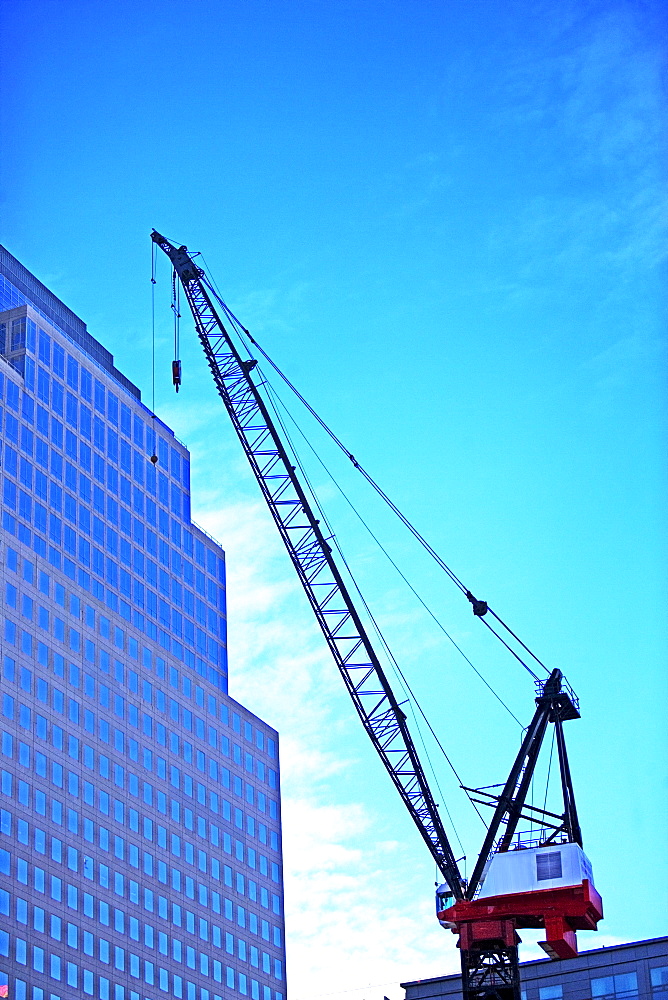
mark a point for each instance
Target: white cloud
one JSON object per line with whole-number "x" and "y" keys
{"x": 359, "y": 910}
{"x": 355, "y": 912}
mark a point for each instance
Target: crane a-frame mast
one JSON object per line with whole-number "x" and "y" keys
{"x": 488, "y": 938}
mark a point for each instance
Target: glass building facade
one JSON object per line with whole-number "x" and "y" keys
{"x": 140, "y": 838}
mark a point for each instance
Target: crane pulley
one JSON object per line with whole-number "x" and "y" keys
{"x": 485, "y": 920}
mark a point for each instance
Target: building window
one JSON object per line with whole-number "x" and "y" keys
{"x": 620, "y": 987}
{"x": 547, "y": 992}
{"x": 659, "y": 980}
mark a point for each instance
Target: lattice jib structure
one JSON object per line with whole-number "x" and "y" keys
{"x": 486, "y": 926}
{"x": 312, "y": 558}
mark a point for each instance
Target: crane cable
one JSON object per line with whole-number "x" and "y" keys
{"x": 549, "y": 769}
{"x": 414, "y": 703}
{"x": 388, "y": 556}
{"x": 271, "y": 393}
{"x": 176, "y": 307}
{"x": 242, "y": 331}
{"x": 154, "y": 255}
{"x": 480, "y": 608}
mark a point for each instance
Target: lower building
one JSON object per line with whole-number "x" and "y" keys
{"x": 635, "y": 971}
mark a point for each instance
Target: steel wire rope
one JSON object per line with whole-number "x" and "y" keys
{"x": 402, "y": 679}
{"x": 391, "y": 560}
{"x": 402, "y": 517}
{"x": 517, "y": 638}
{"x": 397, "y": 669}
{"x": 154, "y": 249}
{"x": 549, "y": 769}
{"x": 176, "y": 306}
{"x": 435, "y": 777}
{"x": 511, "y": 650}
{"x": 532, "y": 819}
{"x": 242, "y": 331}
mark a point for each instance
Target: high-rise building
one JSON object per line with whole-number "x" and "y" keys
{"x": 140, "y": 837}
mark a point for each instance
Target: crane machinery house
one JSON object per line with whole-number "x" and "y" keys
{"x": 536, "y": 868}
{"x": 140, "y": 854}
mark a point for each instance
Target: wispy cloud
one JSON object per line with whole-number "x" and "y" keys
{"x": 596, "y": 94}
{"x": 354, "y": 912}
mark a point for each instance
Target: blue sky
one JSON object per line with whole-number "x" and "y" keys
{"x": 444, "y": 222}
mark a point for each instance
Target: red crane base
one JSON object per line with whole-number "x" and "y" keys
{"x": 561, "y": 912}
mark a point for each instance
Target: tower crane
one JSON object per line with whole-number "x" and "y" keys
{"x": 515, "y": 883}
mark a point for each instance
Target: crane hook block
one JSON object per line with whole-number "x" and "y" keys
{"x": 480, "y": 608}
{"x": 176, "y": 374}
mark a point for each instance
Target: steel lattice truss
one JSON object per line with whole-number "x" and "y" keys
{"x": 490, "y": 968}
{"x": 311, "y": 556}
{"x": 490, "y": 974}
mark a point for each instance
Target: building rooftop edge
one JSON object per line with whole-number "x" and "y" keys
{"x": 542, "y": 961}
{"x": 61, "y": 316}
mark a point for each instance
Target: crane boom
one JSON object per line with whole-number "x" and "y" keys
{"x": 311, "y": 555}
{"x": 499, "y": 898}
